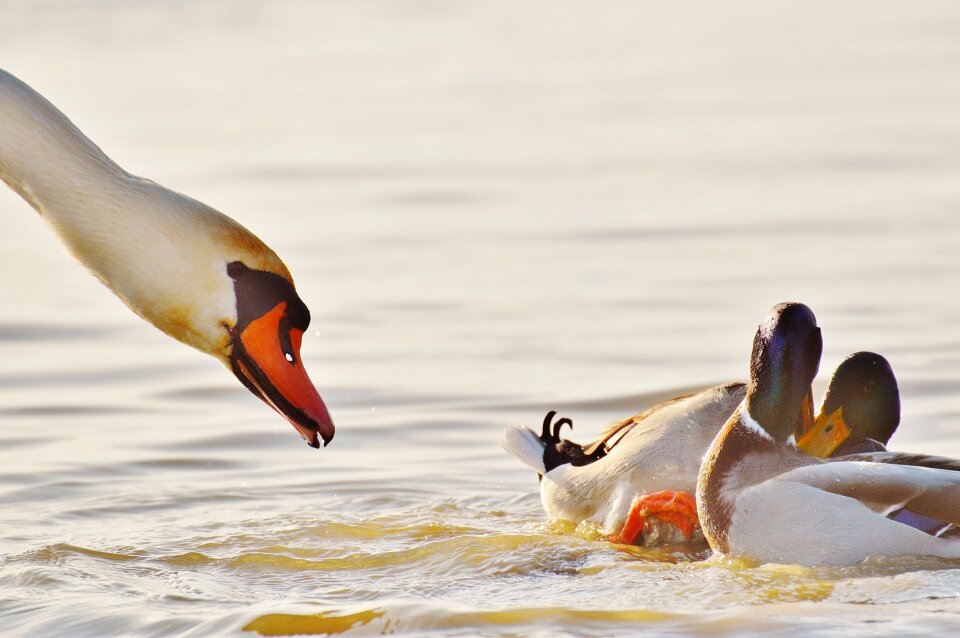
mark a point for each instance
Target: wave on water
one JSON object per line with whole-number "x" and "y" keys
{"x": 451, "y": 570}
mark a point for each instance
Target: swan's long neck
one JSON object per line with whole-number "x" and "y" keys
{"x": 164, "y": 254}
{"x": 45, "y": 158}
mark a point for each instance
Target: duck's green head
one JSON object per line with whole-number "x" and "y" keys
{"x": 862, "y": 402}
{"x": 785, "y": 359}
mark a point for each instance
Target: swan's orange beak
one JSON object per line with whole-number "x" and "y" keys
{"x": 266, "y": 359}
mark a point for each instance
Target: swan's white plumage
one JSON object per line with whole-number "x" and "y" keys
{"x": 164, "y": 254}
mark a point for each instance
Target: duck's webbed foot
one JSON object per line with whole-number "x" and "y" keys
{"x": 676, "y": 508}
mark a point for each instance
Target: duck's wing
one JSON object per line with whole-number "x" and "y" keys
{"x": 906, "y": 458}
{"x": 928, "y": 490}
{"x": 615, "y": 433}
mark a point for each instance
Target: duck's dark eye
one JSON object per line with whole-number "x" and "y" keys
{"x": 828, "y": 428}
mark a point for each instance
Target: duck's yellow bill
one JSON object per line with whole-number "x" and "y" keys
{"x": 826, "y": 435}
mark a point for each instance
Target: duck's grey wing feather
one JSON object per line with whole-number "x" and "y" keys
{"x": 906, "y": 458}
{"x": 928, "y": 491}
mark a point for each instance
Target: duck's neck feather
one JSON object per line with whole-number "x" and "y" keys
{"x": 748, "y": 422}
{"x": 721, "y": 472}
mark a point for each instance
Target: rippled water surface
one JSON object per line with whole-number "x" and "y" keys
{"x": 492, "y": 209}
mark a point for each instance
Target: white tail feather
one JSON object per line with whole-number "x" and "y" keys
{"x": 525, "y": 445}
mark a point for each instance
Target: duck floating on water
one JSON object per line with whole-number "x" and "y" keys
{"x": 860, "y": 409}
{"x": 859, "y": 413}
{"x": 760, "y": 496}
{"x": 638, "y": 470}
{"x": 191, "y": 271}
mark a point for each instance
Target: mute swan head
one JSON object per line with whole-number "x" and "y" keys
{"x": 264, "y": 350}
{"x": 207, "y": 281}
{"x": 191, "y": 271}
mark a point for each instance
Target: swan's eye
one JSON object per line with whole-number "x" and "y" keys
{"x": 286, "y": 341}
{"x": 286, "y": 347}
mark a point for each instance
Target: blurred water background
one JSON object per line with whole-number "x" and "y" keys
{"x": 492, "y": 209}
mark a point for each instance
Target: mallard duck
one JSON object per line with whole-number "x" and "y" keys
{"x": 191, "y": 271}
{"x": 642, "y": 468}
{"x": 859, "y": 414}
{"x": 860, "y": 409}
{"x": 758, "y": 495}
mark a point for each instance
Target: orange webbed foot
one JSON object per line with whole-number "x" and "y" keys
{"x": 676, "y": 508}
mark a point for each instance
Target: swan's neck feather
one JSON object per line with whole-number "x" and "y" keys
{"x": 164, "y": 254}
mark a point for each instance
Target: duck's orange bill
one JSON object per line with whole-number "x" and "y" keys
{"x": 828, "y": 432}
{"x": 269, "y": 362}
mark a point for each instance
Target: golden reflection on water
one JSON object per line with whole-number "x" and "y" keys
{"x": 323, "y": 624}
{"x": 514, "y": 619}
{"x": 426, "y": 576}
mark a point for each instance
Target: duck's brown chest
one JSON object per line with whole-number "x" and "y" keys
{"x": 735, "y": 460}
